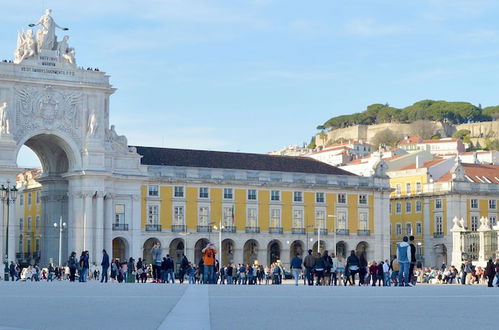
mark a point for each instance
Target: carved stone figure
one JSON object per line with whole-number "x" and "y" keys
{"x": 118, "y": 142}
{"x": 26, "y": 46}
{"x": 47, "y": 39}
{"x": 92, "y": 124}
{"x": 4, "y": 119}
{"x": 65, "y": 52}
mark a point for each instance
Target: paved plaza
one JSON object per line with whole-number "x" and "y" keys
{"x": 64, "y": 305}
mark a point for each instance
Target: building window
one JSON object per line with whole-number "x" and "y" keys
{"x": 342, "y": 198}
{"x": 363, "y": 199}
{"x": 408, "y": 188}
{"x": 408, "y": 229}
{"x": 228, "y": 193}
{"x": 30, "y": 197}
{"x": 363, "y": 221}
{"x": 438, "y": 225}
{"x": 419, "y": 228}
{"x": 178, "y": 215}
{"x": 30, "y": 228}
{"x": 28, "y": 245}
{"x": 21, "y": 245}
{"x": 21, "y": 199}
{"x": 21, "y": 224}
{"x": 119, "y": 213}
{"x": 178, "y": 192}
{"x": 419, "y": 206}
{"x": 228, "y": 216}
{"x": 204, "y": 192}
{"x": 493, "y": 220}
{"x": 204, "y": 215}
{"x": 474, "y": 203}
{"x": 320, "y": 219}
{"x": 37, "y": 222}
{"x": 252, "y": 194}
{"x": 398, "y": 189}
{"x": 319, "y": 197}
{"x": 275, "y": 195}
{"x": 390, "y": 208}
{"x": 341, "y": 220}
{"x": 298, "y": 196}
{"x": 153, "y": 214}
{"x": 418, "y": 188}
{"x": 153, "y": 191}
{"x": 298, "y": 218}
{"x": 398, "y": 207}
{"x": 252, "y": 219}
{"x": 438, "y": 203}
{"x": 37, "y": 197}
{"x": 37, "y": 245}
{"x": 492, "y": 204}
{"x": 474, "y": 223}
{"x": 408, "y": 207}
{"x": 398, "y": 228}
{"x": 275, "y": 218}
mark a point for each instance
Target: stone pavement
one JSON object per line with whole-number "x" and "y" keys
{"x": 64, "y": 305}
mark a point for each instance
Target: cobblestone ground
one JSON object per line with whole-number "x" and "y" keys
{"x": 64, "y": 305}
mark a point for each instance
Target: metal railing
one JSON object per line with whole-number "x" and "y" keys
{"x": 178, "y": 228}
{"x": 204, "y": 229}
{"x": 275, "y": 230}
{"x": 438, "y": 234}
{"x": 36, "y": 254}
{"x": 299, "y": 231}
{"x": 342, "y": 232}
{"x": 323, "y": 231}
{"x": 27, "y": 255}
{"x": 252, "y": 229}
{"x": 120, "y": 226}
{"x": 229, "y": 229}
{"x": 19, "y": 255}
{"x": 363, "y": 232}
{"x": 151, "y": 227}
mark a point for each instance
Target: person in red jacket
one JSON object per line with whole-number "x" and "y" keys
{"x": 373, "y": 271}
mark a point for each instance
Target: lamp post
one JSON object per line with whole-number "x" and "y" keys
{"x": 306, "y": 234}
{"x": 334, "y": 232}
{"x": 8, "y": 195}
{"x": 220, "y": 239}
{"x": 61, "y": 226}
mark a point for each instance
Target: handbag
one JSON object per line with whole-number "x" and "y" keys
{"x": 353, "y": 268}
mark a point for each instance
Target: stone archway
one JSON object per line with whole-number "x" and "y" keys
{"x": 362, "y": 249}
{"x": 147, "y": 247}
{"x": 250, "y": 254}
{"x": 273, "y": 251}
{"x": 341, "y": 249}
{"x": 228, "y": 248}
{"x": 120, "y": 249}
{"x": 322, "y": 247}
{"x": 297, "y": 247}
{"x": 440, "y": 255}
{"x": 198, "y": 247}
{"x": 177, "y": 250}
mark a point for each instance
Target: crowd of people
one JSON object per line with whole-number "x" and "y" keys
{"x": 315, "y": 269}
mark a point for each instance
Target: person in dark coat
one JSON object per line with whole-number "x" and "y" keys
{"x": 490, "y": 272}
{"x": 353, "y": 264}
{"x": 105, "y": 266}
{"x": 184, "y": 265}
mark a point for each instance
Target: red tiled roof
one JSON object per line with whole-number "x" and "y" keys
{"x": 332, "y": 149}
{"x": 439, "y": 141}
{"x": 411, "y": 140}
{"x": 425, "y": 165}
{"x": 478, "y": 173}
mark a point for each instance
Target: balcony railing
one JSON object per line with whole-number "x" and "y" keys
{"x": 27, "y": 255}
{"x": 275, "y": 230}
{"x": 36, "y": 254}
{"x": 178, "y": 228}
{"x": 363, "y": 232}
{"x": 229, "y": 229}
{"x": 299, "y": 231}
{"x": 19, "y": 255}
{"x": 342, "y": 232}
{"x": 120, "y": 226}
{"x": 204, "y": 229}
{"x": 438, "y": 234}
{"x": 155, "y": 227}
{"x": 252, "y": 229}
{"x": 323, "y": 231}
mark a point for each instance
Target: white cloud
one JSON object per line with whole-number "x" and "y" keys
{"x": 368, "y": 27}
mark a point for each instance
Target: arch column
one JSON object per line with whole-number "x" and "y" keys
{"x": 2, "y": 230}
{"x": 135, "y": 242}
{"x": 99, "y": 226}
{"x": 88, "y": 237}
{"x": 108, "y": 230}
{"x": 12, "y": 231}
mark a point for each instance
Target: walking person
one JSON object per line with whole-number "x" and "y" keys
{"x": 490, "y": 272}
{"x": 309, "y": 264}
{"x": 73, "y": 265}
{"x": 413, "y": 260}
{"x": 404, "y": 260}
{"x": 105, "y": 266}
{"x": 353, "y": 264}
{"x": 296, "y": 267}
{"x": 184, "y": 264}
{"x": 209, "y": 254}
{"x": 130, "y": 276}
{"x": 156, "y": 263}
{"x": 363, "y": 270}
{"x": 170, "y": 270}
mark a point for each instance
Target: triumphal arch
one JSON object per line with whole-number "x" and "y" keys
{"x": 61, "y": 112}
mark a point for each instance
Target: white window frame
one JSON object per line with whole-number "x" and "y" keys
{"x": 398, "y": 229}
{"x": 342, "y": 220}
{"x": 298, "y": 196}
{"x": 398, "y": 207}
{"x": 203, "y": 218}
{"x": 298, "y": 217}
{"x": 153, "y": 190}
{"x": 204, "y": 193}
{"x": 178, "y": 218}
{"x": 228, "y": 193}
{"x": 475, "y": 220}
{"x": 275, "y": 195}
{"x": 438, "y": 203}
{"x": 21, "y": 224}
{"x": 21, "y": 199}
{"x": 119, "y": 217}
{"x": 228, "y": 216}
{"x": 320, "y": 197}
{"x": 153, "y": 217}
{"x": 30, "y": 198}
{"x": 178, "y": 192}
{"x": 30, "y": 224}
{"x": 398, "y": 189}
{"x": 37, "y": 198}
{"x": 474, "y": 203}
{"x": 37, "y": 222}
{"x": 419, "y": 206}
{"x": 419, "y": 187}
{"x": 251, "y": 219}
{"x": 362, "y": 199}
{"x": 248, "y": 195}
{"x": 275, "y": 217}
{"x": 408, "y": 228}
{"x": 439, "y": 224}
{"x": 493, "y": 219}
{"x": 408, "y": 188}
{"x": 363, "y": 220}
{"x": 492, "y": 204}
{"x": 320, "y": 218}
{"x": 408, "y": 209}
{"x": 419, "y": 229}
{"x": 342, "y": 198}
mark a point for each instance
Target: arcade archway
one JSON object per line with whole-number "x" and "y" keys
{"x": 250, "y": 254}
{"x": 146, "y": 251}
{"x": 120, "y": 249}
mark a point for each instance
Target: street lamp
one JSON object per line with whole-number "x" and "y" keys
{"x": 220, "y": 239}
{"x": 306, "y": 234}
{"x": 8, "y": 195}
{"x": 61, "y": 226}
{"x": 334, "y": 232}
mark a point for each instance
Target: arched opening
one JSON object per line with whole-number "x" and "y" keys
{"x": 120, "y": 249}
{"x": 440, "y": 255}
{"x": 296, "y": 248}
{"x": 250, "y": 251}
{"x": 361, "y": 250}
{"x": 177, "y": 250}
{"x": 341, "y": 249}
{"x": 322, "y": 247}
{"x": 147, "y": 247}
{"x": 273, "y": 251}
{"x": 198, "y": 247}
{"x": 228, "y": 247}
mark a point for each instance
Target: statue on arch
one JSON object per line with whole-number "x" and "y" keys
{"x": 4, "y": 119}
{"x": 47, "y": 39}
{"x": 92, "y": 124}
{"x": 26, "y": 46}
{"x": 65, "y": 52}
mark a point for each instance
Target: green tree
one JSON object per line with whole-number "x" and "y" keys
{"x": 386, "y": 137}
{"x": 461, "y": 134}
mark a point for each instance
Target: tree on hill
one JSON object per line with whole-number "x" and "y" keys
{"x": 423, "y": 128}
{"x": 461, "y": 134}
{"x": 386, "y": 137}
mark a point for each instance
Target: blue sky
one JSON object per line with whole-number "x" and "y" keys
{"x": 257, "y": 75}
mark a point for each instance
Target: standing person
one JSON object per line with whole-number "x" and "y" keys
{"x": 309, "y": 264}
{"x": 105, "y": 265}
{"x": 353, "y": 263}
{"x": 413, "y": 260}
{"x": 404, "y": 259}
{"x": 362, "y": 270}
{"x": 170, "y": 270}
{"x": 386, "y": 273}
{"x": 130, "y": 276}
{"x": 184, "y": 264}
{"x": 395, "y": 268}
{"x": 156, "y": 263}
{"x": 328, "y": 263}
{"x": 12, "y": 271}
{"x": 209, "y": 254}
{"x": 73, "y": 265}
{"x": 114, "y": 270}
{"x": 468, "y": 272}
{"x": 228, "y": 274}
{"x": 373, "y": 269}
{"x": 296, "y": 267}
{"x": 334, "y": 269}
{"x": 490, "y": 272}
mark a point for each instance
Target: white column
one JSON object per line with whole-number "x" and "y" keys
{"x": 87, "y": 225}
{"x": 2, "y": 231}
{"x": 456, "y": 231}
{"x": 70, "y": 226}
{"x": 136, "y": 237}
{"x": 99, "y": 226}
{"x": 429, "y": 255}
{"x": 108, "y": 230}
{"x": 12, "y": 231}
{"x": 77, "y": 224}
